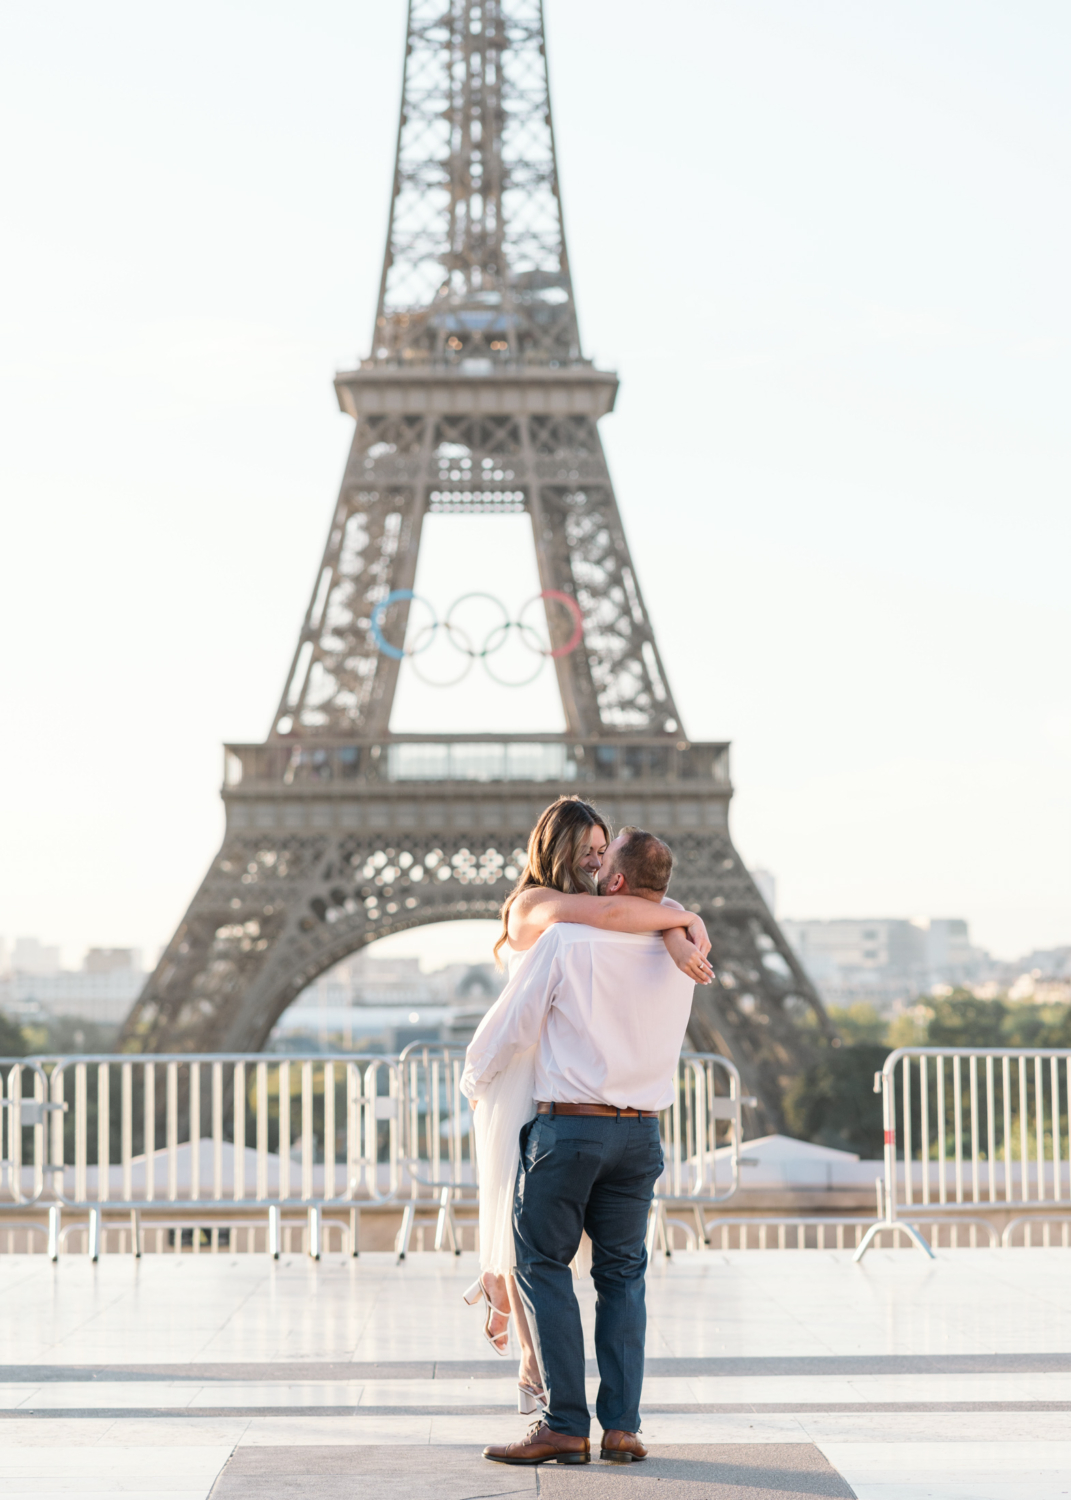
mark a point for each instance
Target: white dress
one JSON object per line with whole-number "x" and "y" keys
{"x": 506, "y": 1106}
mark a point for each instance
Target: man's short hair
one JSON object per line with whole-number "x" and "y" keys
{"x": 644, "y": 860}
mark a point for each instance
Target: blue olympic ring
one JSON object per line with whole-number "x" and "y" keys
{"x": 376, "y": 623}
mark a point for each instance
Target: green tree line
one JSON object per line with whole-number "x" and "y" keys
{"x": 833, "y": 1103}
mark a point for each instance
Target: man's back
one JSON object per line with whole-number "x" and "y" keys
{"x": 619, "y": 1008}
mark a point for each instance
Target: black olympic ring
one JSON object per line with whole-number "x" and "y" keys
{"x": 460, "y": 640}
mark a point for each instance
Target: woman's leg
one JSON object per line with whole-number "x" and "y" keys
{"x": 529, "y": 1371}
{"x": 496, "y": 1289}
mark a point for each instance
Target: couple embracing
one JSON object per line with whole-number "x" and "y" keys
{"x": 567, "y": 1073}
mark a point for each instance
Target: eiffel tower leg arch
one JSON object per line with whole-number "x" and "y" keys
{"x": 276, "y": 912}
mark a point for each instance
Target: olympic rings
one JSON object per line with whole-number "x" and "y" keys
{"x": 459, "y": 638}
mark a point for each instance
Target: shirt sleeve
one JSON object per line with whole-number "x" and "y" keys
{"x": 516, "y": 1018}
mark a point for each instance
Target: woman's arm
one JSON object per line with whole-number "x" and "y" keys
{"x": 514, "y": 1021}
{"x": 537, "y": 908}
{"x": 687, "y": 956}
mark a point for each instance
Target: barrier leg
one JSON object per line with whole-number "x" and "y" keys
{"x": 701, "y": 1242}
{"x": 314, "y": 1232}
{"x": 917, "y": 1239}
{"x": 656, "y": 1229}
{"x": 94, "y": 1234}
{"x": 912, "y": 1233}
{"x": 663, "y": 1233}
{"x": 441, "y": 1220}
{"x": 867, "y": 1240}
{"x": 274, "y": 1230}
{"x": 405, "y": 1233}
{"x": 355, "y": 1232}
{"x": 446, "y": 1224}
{"x": 53, "y": 1232}
{"x": 135, "y": 1232}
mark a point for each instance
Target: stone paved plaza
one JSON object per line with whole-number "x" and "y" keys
{"x": 776, "y": 1374}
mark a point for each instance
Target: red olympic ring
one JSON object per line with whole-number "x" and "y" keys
{"x": 578, "y": 620}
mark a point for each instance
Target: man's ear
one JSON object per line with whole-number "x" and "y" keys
{"x": 616, "y": 884}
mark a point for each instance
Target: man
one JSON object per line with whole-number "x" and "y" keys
{"x": 609, "y": 1011}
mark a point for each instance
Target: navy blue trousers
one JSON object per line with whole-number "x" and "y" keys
{"x": 593, "y": 1172}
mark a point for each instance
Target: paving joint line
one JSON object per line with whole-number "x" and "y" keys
{"x": 726, "y": 1408}
{"x": 685, "y": 1367}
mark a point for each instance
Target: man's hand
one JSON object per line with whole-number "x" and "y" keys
{"x": 687, "y": 956}
{"x": 697, "y": 934}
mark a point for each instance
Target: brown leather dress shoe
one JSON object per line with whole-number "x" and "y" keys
{"x": 542, "y": 1446}
{"x": 621, "y": 1447}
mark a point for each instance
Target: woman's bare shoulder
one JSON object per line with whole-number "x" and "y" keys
{"x": 526, "y": 921}
{"x": 528, "y": 934}
{"x": 531, "y": 896}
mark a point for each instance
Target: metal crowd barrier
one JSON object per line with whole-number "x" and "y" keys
{"x": 979, "y": 1125}
{"x": 126, "y": 1143}
{"x": 24, "y": 1107}
{"x": 198, "y": 1148}
{"x": 701, "y": 1132}
{"x": 221, "y": 1135}
{"x": 438, "y": 1144}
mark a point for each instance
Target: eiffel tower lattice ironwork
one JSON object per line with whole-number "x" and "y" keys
{"x": 476, "y": 398}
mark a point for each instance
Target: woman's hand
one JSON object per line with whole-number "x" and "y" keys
{"x": 697, "y": 934}
{"x": 686, "y": 955}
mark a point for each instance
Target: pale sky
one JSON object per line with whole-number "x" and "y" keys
{"x": 826, "y": 246}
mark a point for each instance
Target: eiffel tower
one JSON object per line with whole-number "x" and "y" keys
{"x": 476, "y": 399}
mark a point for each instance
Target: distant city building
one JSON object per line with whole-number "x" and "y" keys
{"x": 104, "y": 998}
{"x": 384, "y": 1004}
{"x": 949, "y": 951}
{"x": 1048, "y": 963}
{"x": 105, "y": 988}
{"x": 32, "y": 957}
{"x": 367, "y": 981}
{"x": 112, "y": 960}
{"x": 845, "y": 957}
{"x": 883, "y": 958}
{"x": 1041, "y": 988}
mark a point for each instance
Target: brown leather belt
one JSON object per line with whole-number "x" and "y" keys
{"x": 594, "y": 1109}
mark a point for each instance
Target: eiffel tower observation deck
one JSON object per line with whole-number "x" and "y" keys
{"x": 476, "y": 399}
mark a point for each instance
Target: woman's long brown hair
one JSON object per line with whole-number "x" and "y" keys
{"x": 553, "y": 860}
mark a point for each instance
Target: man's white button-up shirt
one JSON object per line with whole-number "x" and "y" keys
{"x": 608, "y": 1009}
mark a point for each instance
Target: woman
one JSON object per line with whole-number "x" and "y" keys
{"x": 557, "y": 884}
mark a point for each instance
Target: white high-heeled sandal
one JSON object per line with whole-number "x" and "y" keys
{"x": 472, "y": 1296}
{"x": 530, "y": 1399}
